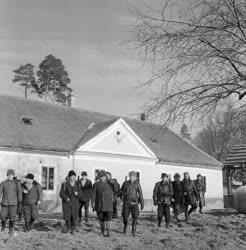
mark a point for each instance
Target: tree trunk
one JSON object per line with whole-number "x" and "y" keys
{"x": 25, "y": 91}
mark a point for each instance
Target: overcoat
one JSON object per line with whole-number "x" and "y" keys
{"x": 85, "y": 190}
{"x": 163, "y": 192}
{"x": 70, "y": 200}
{"x": 190, "y": 192}
{"x": 102, "y": 197}
{"x": 178, "y": 192}
{"x": 201, "y": 189}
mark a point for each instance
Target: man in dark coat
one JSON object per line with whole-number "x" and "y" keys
{"x": 132, "y": 195}
{"x": 85, "y": 187}
{"x": 32, "y": 198}
{"x": 190, "y": 194}
{"x": 70, "y": 195}
{"x": 201, "y": 190}
{"x": 115, "y": 188}
{"x": 178, "y": 196}
{"x": 102, "y": 202}
{"x": 162, "y": 195}
{"x": 11, "y": 193}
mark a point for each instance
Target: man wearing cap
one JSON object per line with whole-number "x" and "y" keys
{"x": 11, "y": 193}
{"x": 201, "y": 190}
{"x": 102, "y": 202}
{"x": 115, "y": 188}
{"x": 178, "y": 196}
{"x": 70, "y": 195}
{"x": 162, "y": 194}
{"x": 85, "y": 187}
{"x": 132, "y": 195}
{"x": 32, "y": 198}
{"x": 190, "y": 195}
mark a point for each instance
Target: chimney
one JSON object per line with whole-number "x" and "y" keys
{"x": 185, "y": 133}
{"x": 142, "y": 117}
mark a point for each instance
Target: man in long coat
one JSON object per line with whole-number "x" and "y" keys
{"x": 32, "y": 197}
{"x": 132, "y": 195}
{"x": 162, "y": 195}
{"x": 85, "y": 187}
{"x": 190, "y": 194}
{"x": 11, "y": 193}
{"x": 115, "y": 188}
{"x": 178, "y": 196}
{"x": 102, "y": 202}
{"x": 201, "y": 190}
{"x": 70, "y": 195}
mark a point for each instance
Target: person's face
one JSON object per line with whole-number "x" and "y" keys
{"x": 84, "y": 177}
{"x": 132, "y": 178}
{"x": 177, "y": 178}
{"x": 10, "y": 177}
{"x": 186, "y": 176}
{"x": 72, "y": 178}
{"x": 199, "y": 178}
{"x": 165, "y": 179}
{"x": 29, "y": 181}
{"x": 103, "y": 178}
{"x": 108, "y": 176}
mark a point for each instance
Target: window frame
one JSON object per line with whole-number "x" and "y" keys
{"x": 48, "y": 167}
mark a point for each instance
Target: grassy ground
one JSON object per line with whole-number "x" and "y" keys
{"x": 217, "y": 229}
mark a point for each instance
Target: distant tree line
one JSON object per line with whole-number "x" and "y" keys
{"x": 50, "y": 82}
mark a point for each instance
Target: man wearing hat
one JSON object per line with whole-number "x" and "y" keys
{"x": 115, "y": 188}
{"x": 70, "y": 195}
{"x": 201, "y": 190}
{"x": 178, "y": 196}
{"x": 11, "y": 193}
{"x": 102, "y": 202}
{"x": 85, "y": 187}
{"x": 132, "y": 195}
{"x": 162, "y": 194}
{"x": 32, "y": 198}
{"x": 190, "y": 195}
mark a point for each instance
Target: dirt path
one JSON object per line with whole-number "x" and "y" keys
{"x": 216, "y": 230}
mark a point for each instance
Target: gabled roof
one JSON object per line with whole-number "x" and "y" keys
{"x": 62, "y": 129}
{"x": 237, "y": 155}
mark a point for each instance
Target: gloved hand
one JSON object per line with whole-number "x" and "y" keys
{"x": 142, "y": 206}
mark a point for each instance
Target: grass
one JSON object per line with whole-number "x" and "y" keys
{"x": 216, "y": 229}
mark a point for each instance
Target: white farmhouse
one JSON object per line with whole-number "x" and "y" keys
{"x": 49, "y": 140}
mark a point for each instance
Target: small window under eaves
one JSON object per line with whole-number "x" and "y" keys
{"x": 27, "y": 120}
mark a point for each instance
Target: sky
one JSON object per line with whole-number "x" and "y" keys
{"x": 90, "y": 37}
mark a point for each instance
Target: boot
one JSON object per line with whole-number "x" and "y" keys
{"x": 11, "y": 229}
{"x": 26, "y": 228}
{"x": 134, "y": 226}
{"x": 102, "y": 226}
{"x": 167, "y": 224}
{"x": 200, "y": 211}
{"x": 159, "y": 222}
{"x": 125, "y": 227}
{"x": 31, "y": 224}
{"x": 67, "y": 228}
{"x": 187, "y": 217}
{"x": 3, "y": 226}
{"x": 108, "y": 228}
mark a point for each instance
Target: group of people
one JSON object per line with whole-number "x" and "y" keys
{"x": 23, "y": 198}
{"x": 26, "y": 196}
{"x": 183, "y": 196}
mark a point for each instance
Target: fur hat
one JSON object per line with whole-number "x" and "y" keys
{"x": 132, "y": 173}
{"x": 30, "y": 176}
{"x": 177, "y": 175}
{"x": 102, "y": 173}
{"x": 163, "y": 175}
{"x": 71, "y": 173}
{"x": 84, "y": 173}
{"x": 10, "y": 172}
{"x": 199, "y": 175}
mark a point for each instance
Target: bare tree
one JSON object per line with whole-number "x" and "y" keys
{"x": 222, "y": 132}
{"x": 198, "y": 52}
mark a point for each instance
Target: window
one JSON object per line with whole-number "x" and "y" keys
{"x": 138, "y": 176}
{"x": 48, "y": 176}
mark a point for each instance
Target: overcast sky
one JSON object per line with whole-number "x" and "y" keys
{"x": 87, "y": 35}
